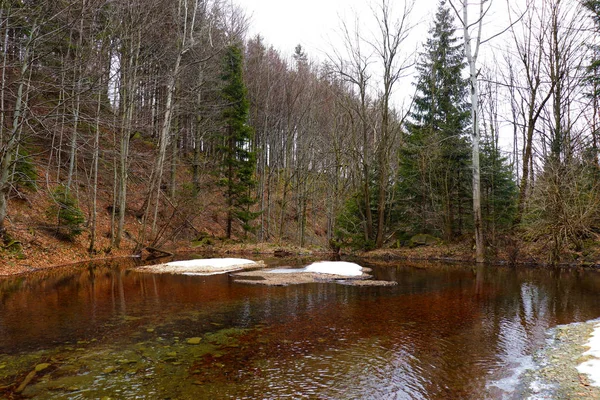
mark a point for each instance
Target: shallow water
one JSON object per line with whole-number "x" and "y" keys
{"x": 446, "y": 331}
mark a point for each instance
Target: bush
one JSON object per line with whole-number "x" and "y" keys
{"x": 350, "y": 230}
{"x": 66, "y": 212}
{"x": 564, "y": 207}
{"x": 25, "y": 172}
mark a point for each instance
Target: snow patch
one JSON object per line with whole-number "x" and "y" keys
{"x": 208, "y": 266}
{"x": 335, "y": 268}
{"x": 592, "y": 367}
{"x": 211, "y": 263}
{"x": 341, "y": 268}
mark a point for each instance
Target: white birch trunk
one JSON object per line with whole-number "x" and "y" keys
{"x": 472, "y": 61}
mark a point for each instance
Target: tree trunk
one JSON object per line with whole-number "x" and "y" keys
{"x": 472, "y": 60}
{"x": 130, "y": 77}
{"x": 94, "y": 212}
{"x": 163, "y": 142}
{"x": 8, "y": 155}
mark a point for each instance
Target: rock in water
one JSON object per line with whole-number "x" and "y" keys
{"x": 194, "y": 340}
{"x": 41, "y": 367}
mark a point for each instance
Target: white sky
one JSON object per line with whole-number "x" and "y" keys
{"x": 315, "y": 23}
{"x": 311, "y": 23}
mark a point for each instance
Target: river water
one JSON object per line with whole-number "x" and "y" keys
{"x": 104, "y": 330}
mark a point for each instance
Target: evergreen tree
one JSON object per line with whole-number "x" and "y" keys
{"x": 593, "y": 76}
{"x": 434, "y": 165}
{"x": 239, "y": 159}
{"x": 498, "y": 188}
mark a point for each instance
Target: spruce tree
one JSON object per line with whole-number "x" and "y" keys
{"x": 593, "y": 76}
{"x": 239, "y": 159}
{"x": 434, "y": 165}
{"x": 498, "y": 188}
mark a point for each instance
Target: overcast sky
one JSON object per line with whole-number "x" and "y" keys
{"x": 312, "y": 23}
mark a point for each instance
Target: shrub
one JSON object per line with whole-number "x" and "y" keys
{"x": 66, "y": 212}
{"x": 350, "y": 230}
{"x": 25, "y": 172}
{"x": 564, "y": 207}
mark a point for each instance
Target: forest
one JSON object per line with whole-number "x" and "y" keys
{"x": 145, "y": 124}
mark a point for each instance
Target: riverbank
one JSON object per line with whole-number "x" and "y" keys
{"x": 31, "y": 258}
{"x": 557, "y": 375}
{"x": 34, "y": 252}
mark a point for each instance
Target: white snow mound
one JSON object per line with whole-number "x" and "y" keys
{"x": 592, "y": 367}
{"x": 335, "y": 268}
{"x": 208, "y": 266}
{"x": 341, "y": 268}
{"x": 213, "y": 263}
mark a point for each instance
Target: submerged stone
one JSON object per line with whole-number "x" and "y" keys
{"x": 194, "y": 340}
{"x": 41, "y": 367}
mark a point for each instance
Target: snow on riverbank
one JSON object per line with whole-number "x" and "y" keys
{"x": 592, "y": 366}
{"x": 203, "y": 266}
{"x": 558, "y": 373}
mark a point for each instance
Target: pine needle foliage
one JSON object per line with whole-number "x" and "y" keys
{"x": 239, "y": 159}
{"x": 434, "y": 170}
{"x": 66, "y": 214}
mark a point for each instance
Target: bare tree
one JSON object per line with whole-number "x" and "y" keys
{"x": 353, "y": 68}
{"x": 534, "y": 92}
{"x": 393, "y": 34}
{"x": 383, "y": 53}
{"x": 9, "y": 140}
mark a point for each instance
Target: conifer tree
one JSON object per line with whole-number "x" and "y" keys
{"x": 434, "y": 172}
{"x": 239, "y": 159}
{"x": 498, "y": 187}
{"x": 593, "y": 75}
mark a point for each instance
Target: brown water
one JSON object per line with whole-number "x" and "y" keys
{"x": 446, "y": 331}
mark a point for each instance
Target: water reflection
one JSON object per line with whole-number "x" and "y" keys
{"x": 445, "y": 331}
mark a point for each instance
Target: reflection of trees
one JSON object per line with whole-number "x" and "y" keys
{"x": 433, "y": 332}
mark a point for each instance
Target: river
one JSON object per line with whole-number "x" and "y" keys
{"x": 105, "y": 330}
